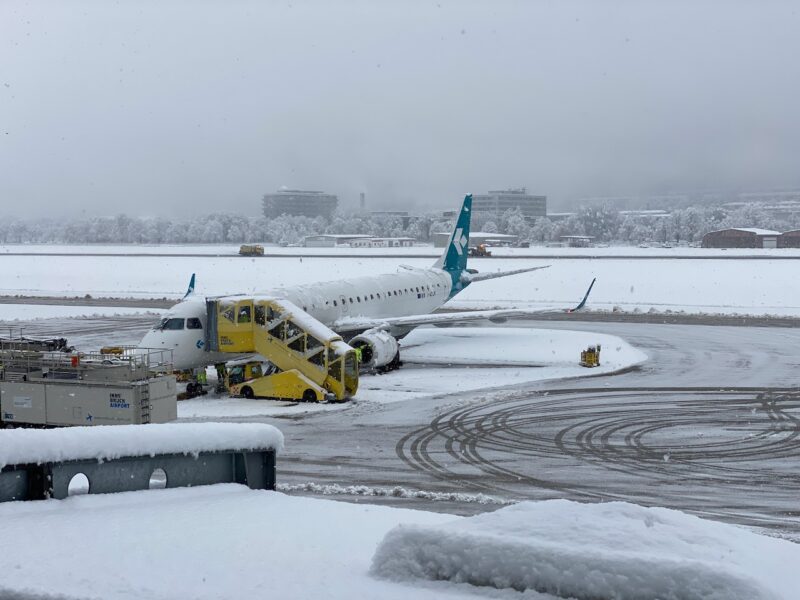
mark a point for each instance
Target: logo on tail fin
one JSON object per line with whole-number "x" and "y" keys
{"x": 460, "y": 241}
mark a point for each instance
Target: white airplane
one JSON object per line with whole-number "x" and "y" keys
{"x": 371, "y": 312}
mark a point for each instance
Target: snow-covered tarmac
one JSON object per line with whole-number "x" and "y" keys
{"x": 451, "y": 361}
{"x": 28, "y": 312}
{"x": 701, "y": 426}
{"x": 648, "y": 279}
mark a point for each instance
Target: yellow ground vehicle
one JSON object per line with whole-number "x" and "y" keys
{"x": 480, "y": 251}
{"x": 251, "y": 250}
{"x": 591, "y": 356}
{"x": 248, "y": 380}
{"x": 314, "y": 363}
{"x": 117, "y": 350}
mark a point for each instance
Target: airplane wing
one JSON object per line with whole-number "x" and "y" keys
{"x": 473, "y": 277}
{"x": 496, "y": 316}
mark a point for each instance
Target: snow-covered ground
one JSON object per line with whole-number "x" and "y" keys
{"x": 443, "y": 361}
{"x": 226, "y": 541}
{"x": 613, "y": 550}
{"x": 222, "y": 541}
{"x": 757, "y": 287}
{"x": 29, "y": 312}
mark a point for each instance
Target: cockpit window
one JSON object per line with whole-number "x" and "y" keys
{"x": 193, "y": 323}
{"x": 172, "y": 324}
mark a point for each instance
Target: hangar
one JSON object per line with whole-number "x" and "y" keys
{"x": 741, "y": 237}
{"x": 789, "y": 239}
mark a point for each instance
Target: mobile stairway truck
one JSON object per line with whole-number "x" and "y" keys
{"x": 313, "y": 363}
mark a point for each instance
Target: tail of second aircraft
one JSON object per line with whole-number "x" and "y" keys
{"x": 454, "y": 257}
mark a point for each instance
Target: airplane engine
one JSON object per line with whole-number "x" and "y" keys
{"x": 379, "y": 349}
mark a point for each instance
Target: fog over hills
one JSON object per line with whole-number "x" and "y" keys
{"x": 153, "y": 108}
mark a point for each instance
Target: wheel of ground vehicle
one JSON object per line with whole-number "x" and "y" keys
{"x": 247, "y": 392}
{"x": 309, "y": 396}
{"x": 190, "y": 389}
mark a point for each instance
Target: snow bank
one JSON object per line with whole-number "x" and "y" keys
{"x": 333, "y": 489}
{"x": 19, "y": 446}
{"x": 588, "y": 551}
{"x": 216, "y": 542}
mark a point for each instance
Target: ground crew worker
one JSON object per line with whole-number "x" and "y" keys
{"x": 220, "y": 367}
{"x": 201, "y": 377}
{"x": 358, "y": 354}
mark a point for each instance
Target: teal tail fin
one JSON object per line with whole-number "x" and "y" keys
{"x": 454, "y": 257}
{"x": 190, "y": 289}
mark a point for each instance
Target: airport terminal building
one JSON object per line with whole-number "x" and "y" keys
{"x": 497, "y": 202}
{"x": 304, "y": 203}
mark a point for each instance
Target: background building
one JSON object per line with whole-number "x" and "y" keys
{"x": 745, "y": 237}
{"x": 499, "y": 201}
{"x": 476, "y": 238}
{"x": 329, "y": 240}
{"x": 577, "y": 241}
{"x": 789, "y": 239}
{"x": 383, "y": 242}
{"x": 299, "y": 202}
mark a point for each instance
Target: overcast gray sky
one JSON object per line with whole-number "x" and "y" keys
{"x": 173, "y": 107}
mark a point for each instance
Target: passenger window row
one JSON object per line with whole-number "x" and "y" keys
{"x": 377, "y": 295}
{"x": 177, "y": 324}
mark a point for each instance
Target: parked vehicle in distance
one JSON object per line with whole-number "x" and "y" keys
{"x": 481, "y": 250}
{"x": 251, "y": 250}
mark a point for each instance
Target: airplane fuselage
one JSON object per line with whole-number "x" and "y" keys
{"x": 407, "y": 292}
{"x": 370, "y": 308}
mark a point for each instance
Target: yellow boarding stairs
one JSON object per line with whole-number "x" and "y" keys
{"x": 315, "y": 363}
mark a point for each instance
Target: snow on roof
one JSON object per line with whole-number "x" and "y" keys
{"x": 107, "y": 442}
{"x": 755, "y": 230}
{"x": 604, "y": 550}
{"x": 338, "y": 236}
{"x": 498, "y": 236}
{"x": 758, "y": 231}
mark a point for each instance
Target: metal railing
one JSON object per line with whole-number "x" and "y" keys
{"x": 23, "y": 359}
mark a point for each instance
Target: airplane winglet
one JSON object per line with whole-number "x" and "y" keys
{"x": 583, "y": 302}
{"x": 190, "y": 289}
